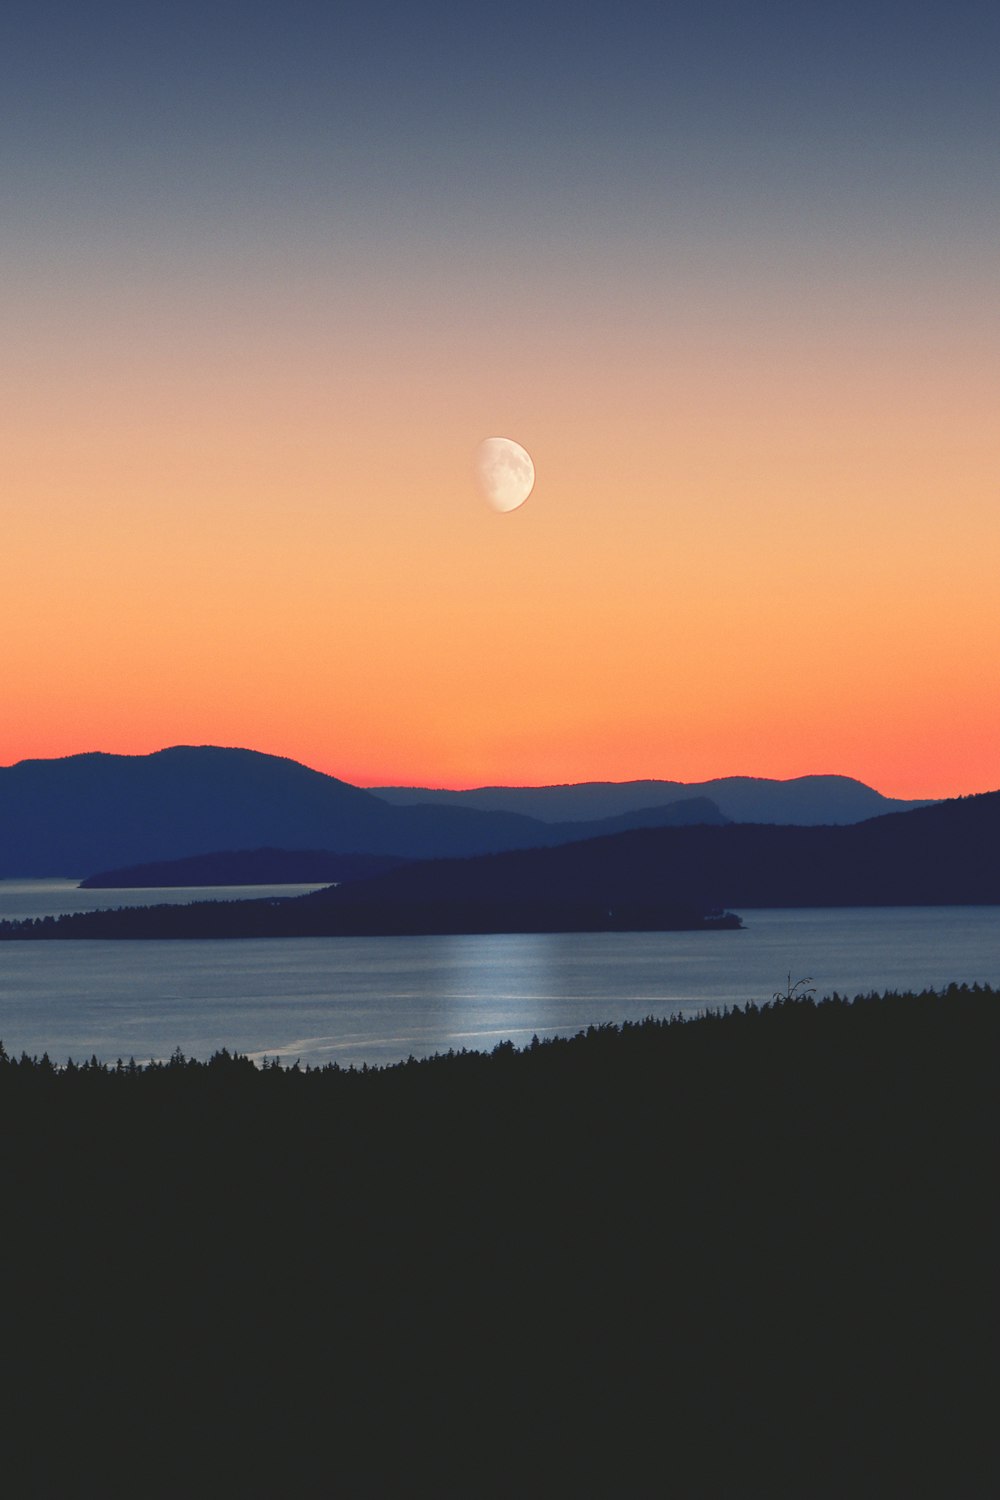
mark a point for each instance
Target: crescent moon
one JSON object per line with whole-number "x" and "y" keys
{"x": 504, "y": 472}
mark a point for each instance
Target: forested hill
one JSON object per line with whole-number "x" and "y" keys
{"x": 749, "y": 1255}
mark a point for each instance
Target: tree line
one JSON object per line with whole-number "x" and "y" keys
{"x": 748, "y": 1253}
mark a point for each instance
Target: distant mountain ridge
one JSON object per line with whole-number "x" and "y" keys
{"x": 803, "y": 800}
{"x": 86, "y": 813}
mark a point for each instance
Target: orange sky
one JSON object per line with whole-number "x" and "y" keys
{"x": 775, "y": 559}
{"x": 759, "y": 375}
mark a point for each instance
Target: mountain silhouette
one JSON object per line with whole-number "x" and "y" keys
{"x": 642, "y": 879}
{"x": 741, "y": 799}
{"x": 86, "y": 813}
{"x": 323, "y": 866}
{"x": 948, "y": 853}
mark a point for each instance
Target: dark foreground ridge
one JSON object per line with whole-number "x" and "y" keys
{"x": 751, "y": 1254}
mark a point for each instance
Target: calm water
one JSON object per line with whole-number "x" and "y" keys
{"x": 380, "y": 999}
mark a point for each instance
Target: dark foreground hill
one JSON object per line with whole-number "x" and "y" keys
{"x": 751, "y": 1255}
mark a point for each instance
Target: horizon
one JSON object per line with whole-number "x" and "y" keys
{"x": 725, "y": 273}
{"x": 372, "y": 785}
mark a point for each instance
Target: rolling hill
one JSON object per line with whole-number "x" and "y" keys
{"x": 88, "y": 813}
{"x": 945, "y": 854}
{"x": 641, "y": 879}
{"x": 741, "y": 799}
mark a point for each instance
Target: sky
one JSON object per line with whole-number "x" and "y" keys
{"x": 728, "y": 271}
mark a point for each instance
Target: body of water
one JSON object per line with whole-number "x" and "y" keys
{"x": 377, "y": 1000}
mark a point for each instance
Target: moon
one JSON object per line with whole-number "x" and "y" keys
{"x": 504, "y": 472}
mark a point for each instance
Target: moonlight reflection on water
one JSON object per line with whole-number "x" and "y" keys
{"x": 378, "y": 1000}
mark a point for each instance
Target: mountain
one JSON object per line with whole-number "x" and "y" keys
{"x": 741, "y": 799}
{"x": 93, "y": 812}
{"x": 324, "y": 867}
{"x": 945, "y": 854}
{"x": 246, "y": 867}
{"x": 654, "y": 879}
{"x": 96, "y": 812}
{"x": 685, "y": 813}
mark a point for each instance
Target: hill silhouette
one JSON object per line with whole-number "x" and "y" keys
{"x": 91, "y": 812}
{"x": 741, "y": 799}
{"x": 747, "y": 1255}
{"x": 651, "y": 879}
{"x": 938, "y": 855}
{"x": 95, "y": 812}
{"x": 274, "y": 866}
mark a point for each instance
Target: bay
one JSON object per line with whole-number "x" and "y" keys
{"x": 378, "y": 1000}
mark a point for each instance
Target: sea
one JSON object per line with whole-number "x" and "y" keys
{"x": 380, "y": 1000}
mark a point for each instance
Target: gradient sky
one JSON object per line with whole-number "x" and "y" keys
{"x": 729, "y": 271}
